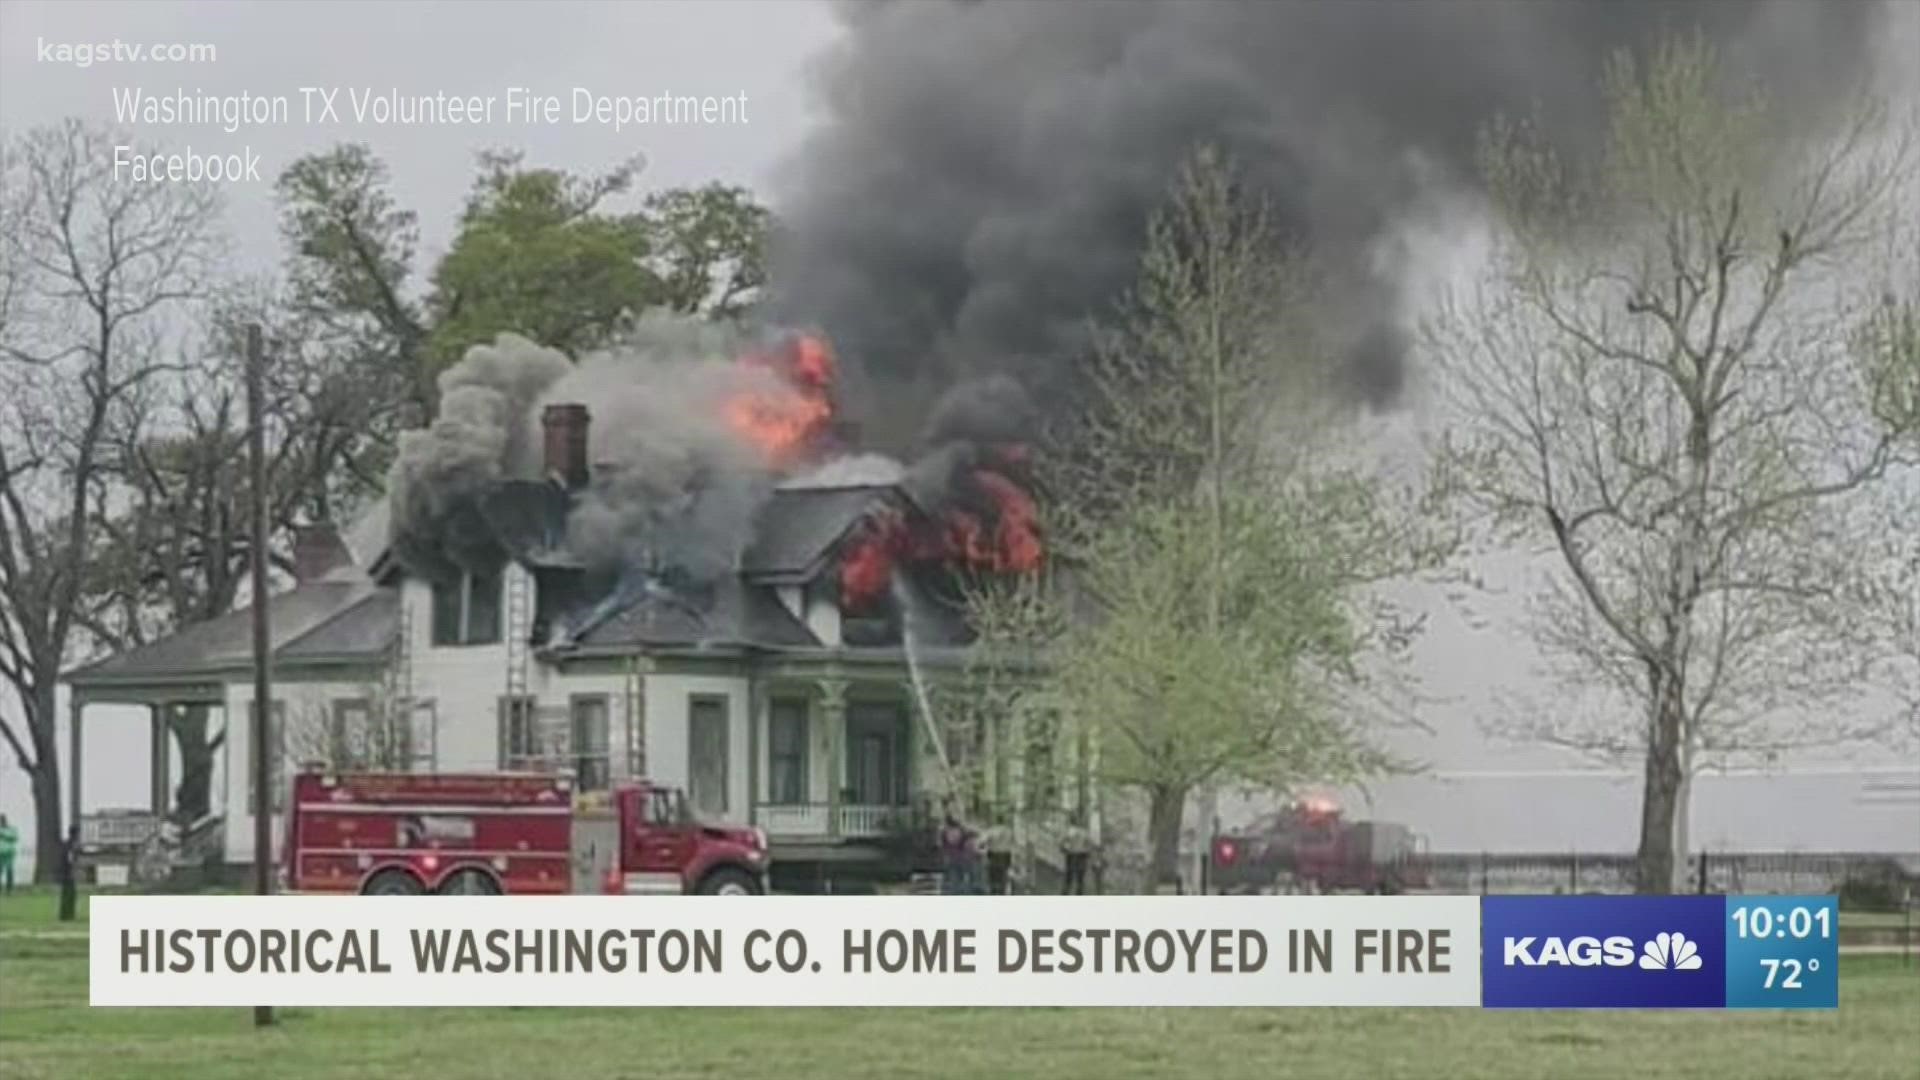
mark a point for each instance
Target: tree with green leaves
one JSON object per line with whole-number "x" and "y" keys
{"x": 1221, "y": 544}
{"x": 707, "y": 248}
{"x": 537, "y": 255}
{"x": 349, "y": 263}
{"x": 1658, "y": 377}
{"x": 538, "y": 251}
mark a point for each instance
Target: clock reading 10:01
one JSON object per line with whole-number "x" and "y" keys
{"x": 1783, "y": 952}
{"x": 1795, "y": 922}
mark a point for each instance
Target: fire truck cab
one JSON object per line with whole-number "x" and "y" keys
{"x": 1309, "y": 844}
{"x": 402, "y": 834}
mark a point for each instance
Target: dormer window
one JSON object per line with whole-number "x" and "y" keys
{"x": 466, "y": 610}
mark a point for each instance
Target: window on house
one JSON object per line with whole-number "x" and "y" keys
{"x": 276, "y": 758}
{"x": 787, "y": 752}
{"x": 449, "y": 605}
{"x": 352, "y": 740}
{"x": 876, "y": 753}
{"x": 520, "y": 749}
{"x": 483, "y": 608}
{"x": 422, "y": 737}
{"x": 707, "y": 754}
{"x": 466, "y": 610}
{"x": 592, "y": 765}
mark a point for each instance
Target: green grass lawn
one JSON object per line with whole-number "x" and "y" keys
{"x": 1877, "y": 920}
{"x": 47, "y": 1030}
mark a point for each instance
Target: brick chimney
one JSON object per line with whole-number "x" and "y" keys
{"x": 566, "y": 443}
{"x": 318, "y": 551}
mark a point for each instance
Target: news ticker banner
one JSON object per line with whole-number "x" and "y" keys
{"x": 1702, "y": 952}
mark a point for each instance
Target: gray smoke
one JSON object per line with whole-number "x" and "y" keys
{"x": 981, "y": 185}
{"x": 852, "y": 470}
{"x": 485, "y": 432}
{"x": 674, "y": 487}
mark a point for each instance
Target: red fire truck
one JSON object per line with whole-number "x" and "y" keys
{"x": 401, "y": 834}
{"x": 1309, "y": 845}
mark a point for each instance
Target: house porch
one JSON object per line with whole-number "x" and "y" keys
{"x": 839, "y": 759}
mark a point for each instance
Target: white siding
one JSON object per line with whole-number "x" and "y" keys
{"x": 305, "y": 704}
{"x": 823, "y": 612}
{"x": 464, "y": 683}
{"x": 794, "y": 600}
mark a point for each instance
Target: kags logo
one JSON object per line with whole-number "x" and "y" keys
{"x": 1663, "y": 951}
{"x": 1673, "y": 951}
{"x": 1577, "y": 952}
{"x": 1603, "y": 951}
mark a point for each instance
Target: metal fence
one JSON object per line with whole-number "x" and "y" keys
{"x": 1745, "y": 872}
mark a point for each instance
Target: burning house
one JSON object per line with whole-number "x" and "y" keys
{"x": 673, "y": 564}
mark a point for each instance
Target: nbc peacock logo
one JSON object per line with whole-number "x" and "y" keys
{"x": 1670, "y": 952}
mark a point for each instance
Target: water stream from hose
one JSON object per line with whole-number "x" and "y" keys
{"x": 910, "y": 640}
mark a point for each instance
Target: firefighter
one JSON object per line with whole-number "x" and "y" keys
{"x": 999, "y": 844}
{"x": 9, "y": 843}
{"x": 959, "y": 851}
{"x": 1076, "y": 846}
{"x": 69, "y": 885}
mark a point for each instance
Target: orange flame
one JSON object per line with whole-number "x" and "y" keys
{"x": 1010, "y": 544}
{"x": 786, "y": 422}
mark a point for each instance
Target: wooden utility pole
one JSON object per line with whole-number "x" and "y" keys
{"x": 262, "y": 645}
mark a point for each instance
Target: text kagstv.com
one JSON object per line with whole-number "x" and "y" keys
{"x": 130, "y": 166}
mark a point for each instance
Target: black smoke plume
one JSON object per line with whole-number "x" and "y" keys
{"x": 983, "y": 179}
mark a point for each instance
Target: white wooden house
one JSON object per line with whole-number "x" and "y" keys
{"x": 757, "y": 693}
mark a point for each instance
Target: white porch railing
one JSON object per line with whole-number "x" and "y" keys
{"x": 792, "y": 819}
{"x": 861, "y": 820}
{"x": 814, "y": 820}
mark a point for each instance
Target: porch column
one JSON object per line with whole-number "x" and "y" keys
{"x": 914, "y": 749}
{"x": 75, "y": 703}
{"x": 833, "y": 713}
{"x": 756, "y": 722}
{"x": 159, "y": 770}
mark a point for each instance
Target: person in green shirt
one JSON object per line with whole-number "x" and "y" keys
{"x": 9, "y": 843}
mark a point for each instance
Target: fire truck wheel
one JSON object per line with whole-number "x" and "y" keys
{"x": 729, "y": 882}
{"x": 393, "y": 883}
{"x": 469, "y": 883}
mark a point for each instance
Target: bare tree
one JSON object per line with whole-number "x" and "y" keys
{"x": 1656, "y": 377}
{"x": 1891, "y": 565}
{"x": 94, "y": 271}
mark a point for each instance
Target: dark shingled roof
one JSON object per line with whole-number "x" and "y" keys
{"x": 735, "y": 613}
{"x": 349, "y": 618}
{"x": 798, "y": 528}
{"x": 364, "y": 628}
{"x": 226, "y": 642}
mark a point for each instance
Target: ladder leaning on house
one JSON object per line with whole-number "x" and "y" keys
{"x": 399, "y": 675}
{"x": 519, "y": 631}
